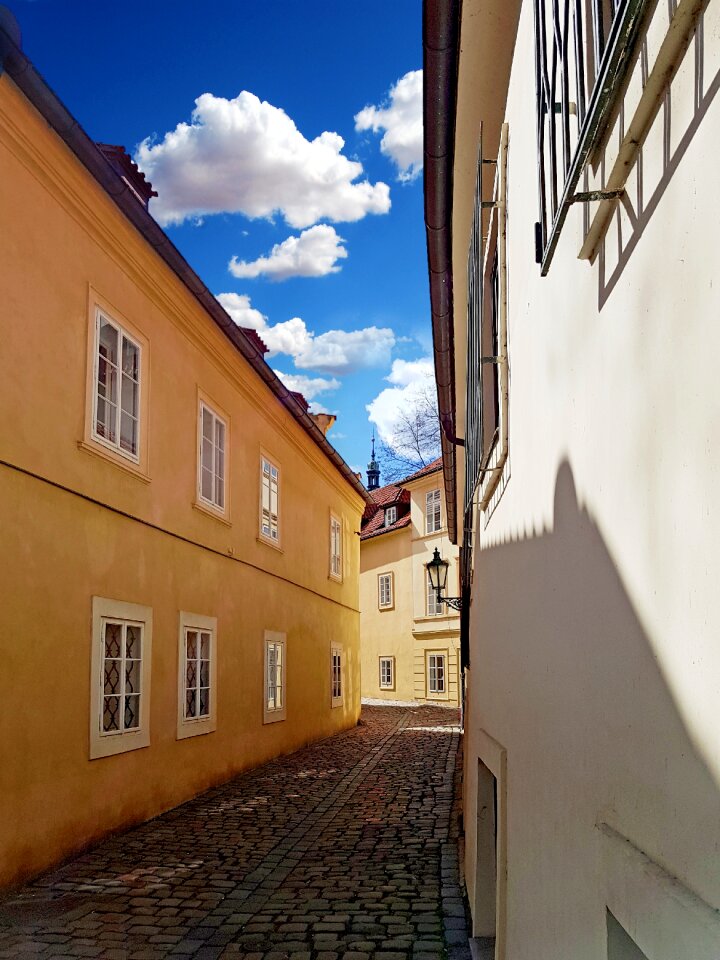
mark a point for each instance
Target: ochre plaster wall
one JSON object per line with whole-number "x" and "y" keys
{"x": 63, "y": 246}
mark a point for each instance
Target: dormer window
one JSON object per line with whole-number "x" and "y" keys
{"x": 390, "y": 516}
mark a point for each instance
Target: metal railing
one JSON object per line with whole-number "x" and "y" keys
{"x": 583, "y": 52}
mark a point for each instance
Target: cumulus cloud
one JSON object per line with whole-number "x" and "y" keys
{"x": 401, "y": 117}
{"x": 333, "y": 352}
{"x": 309, "y": 387}
{"x": 315, "y": 253}
{"x": 412, "y": 390}
{"x": 247, "y": 156}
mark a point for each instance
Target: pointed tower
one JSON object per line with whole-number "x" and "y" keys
{"x": 373, "y": 470}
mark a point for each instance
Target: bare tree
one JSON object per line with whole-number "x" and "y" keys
{"x": 415, "y": 441}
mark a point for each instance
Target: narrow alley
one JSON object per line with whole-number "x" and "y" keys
{"x": 345, "y": 850}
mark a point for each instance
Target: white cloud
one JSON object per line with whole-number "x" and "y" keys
{"x": 247, "y": 156}
{"x": 314, "y": 253}
{"x": 309, "y": 387}
{"x": 402, "y": 120}
{"x": 333, "y": 352}
{"x": 413, "y": 384}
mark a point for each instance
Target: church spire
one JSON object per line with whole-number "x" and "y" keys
{"x": 373, "y": 470}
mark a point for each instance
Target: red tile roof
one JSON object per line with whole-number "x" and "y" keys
{"x": 424, "y": 471}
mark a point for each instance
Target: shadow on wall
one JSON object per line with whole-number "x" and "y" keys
{"x": 568, "y": 681}
{"x": 659, "y": 157}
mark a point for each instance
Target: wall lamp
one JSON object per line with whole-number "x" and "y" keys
{"x": 438, "y": 570}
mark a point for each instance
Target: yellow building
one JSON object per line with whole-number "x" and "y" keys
{"x": 409, "y": 641}
{"x": 178, "y": 561}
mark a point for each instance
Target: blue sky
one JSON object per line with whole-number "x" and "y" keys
{"x": 249, "y": 173}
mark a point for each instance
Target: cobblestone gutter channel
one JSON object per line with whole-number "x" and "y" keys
{"x": 346, "y": 850}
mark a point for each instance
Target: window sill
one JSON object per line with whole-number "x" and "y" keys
{"x": 195, "y": 728}
{"x": 269, "y": 543}
{"x": 428, "y": 536}
{"x": 438, "y": 618}
{"x": 337, "y": 702}
{"x": 210, "y": 512}
{"x": 110, "y": 746}
{"x": 335, "y": 578}
{"x": 386, "y": 608}
{"x": 117, "y": 459}
{"x": 274, "y": 716}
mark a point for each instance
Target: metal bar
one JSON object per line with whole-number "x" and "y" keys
{"x": 614, "y": 69}
{"x": 589, "y": 195}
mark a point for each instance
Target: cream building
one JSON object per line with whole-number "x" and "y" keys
{"x": 179, "y": 559}
{"x": 409, "y": 642}
{"x": 572, "y": 205}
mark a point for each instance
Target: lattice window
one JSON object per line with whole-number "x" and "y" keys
{"x": 269, "y": 501}
{"x": 387, "y": 680}
{"x": 385, "y": 590}
{"x": 436, "y": 673}
{"x": 212, "y": 458}
{"x": 433, "y": 514}
{"x": 122, "y": 672}
{"x": 197, "y": 682}
{"x": 116, "y": 416}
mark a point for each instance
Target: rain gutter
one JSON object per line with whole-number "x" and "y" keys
{"x": 441, "y": 35}
{"x": 17, "y": 66}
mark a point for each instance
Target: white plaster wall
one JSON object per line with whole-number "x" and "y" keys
{"x": 595, "y": 625}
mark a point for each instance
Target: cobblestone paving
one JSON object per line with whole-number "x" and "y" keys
{"x": 346, "y": 850}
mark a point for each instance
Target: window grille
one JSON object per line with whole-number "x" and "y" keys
{"x": 583, "y": 52}
{"x": 122, "y": 671}
{"x": 336, "y": 676}
{"x": 275, "y": 679}
{"x": 197, "y": 674}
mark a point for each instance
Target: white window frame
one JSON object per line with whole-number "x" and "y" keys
{"x": 433, "y": 607}
{"x": 195, "y": 726}
{"x": 276, "y": 640}
{"x": 388, "y": 684}
{"x": 433, "y": 512}
{"x": 386, "y": 597}
{"x": 107, "y": 744}
{"x": 266, "y": 536}
{"x": 204, "y": 502}
{"x": 430, "y": 656}
{"x": 336, "y": 547}
{"x": 337, "y": 675}
{"x": 390, "y": 516}
{"x": 123, "y": 334}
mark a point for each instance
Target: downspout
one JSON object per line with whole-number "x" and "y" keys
{"x": 441, "y": 29}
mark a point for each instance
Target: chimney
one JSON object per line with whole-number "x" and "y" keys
{"x": 126, "y": 168}
{"x": 323, "y": 421}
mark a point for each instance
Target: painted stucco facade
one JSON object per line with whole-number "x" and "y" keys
{"x": 593, "y": 685}
{"x": 404, "y": 630}
{"x": 83, "y": 524}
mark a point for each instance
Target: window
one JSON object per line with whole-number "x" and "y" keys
{"x": 274, "y": 704}
{"x": 390, "y": 516}
{"x": 211, "y": 479}
{"x": 336, "y": 570}
{"x": 269, "y": 501}
{"x": 385, "y": 590}
{"x": 336, "y": 676}
{"x": 434, "y": 606}
{"x": 436, "y": 675}
{"x": 116, "y": 399}
{"x": 387, "y": 673}
{"x": 120, "y": 708}
{"x": 197, "y": 689}
{"x": 433, "y": 518}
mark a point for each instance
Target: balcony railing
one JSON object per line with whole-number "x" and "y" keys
{"x": 583, "y": 52}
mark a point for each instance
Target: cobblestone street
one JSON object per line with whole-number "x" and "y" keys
{"x": 346, "y": 850}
